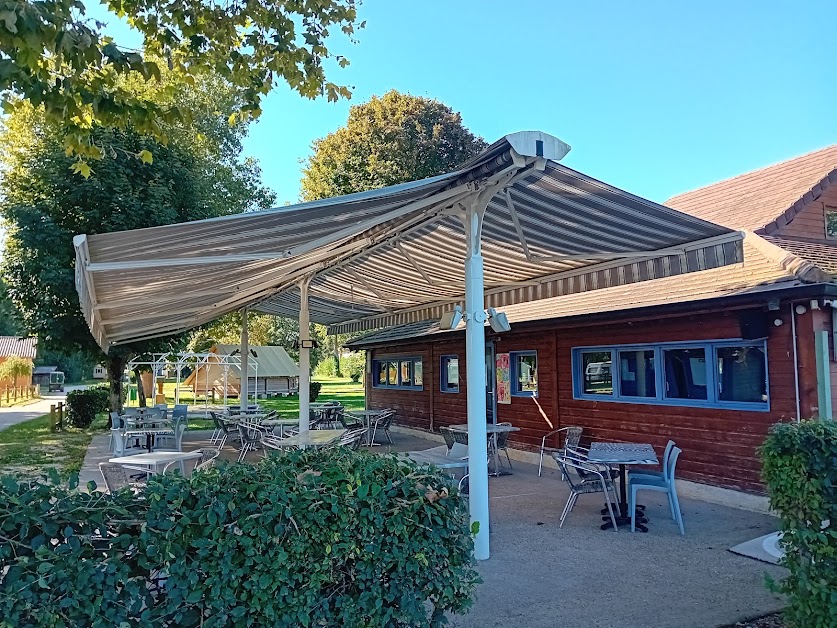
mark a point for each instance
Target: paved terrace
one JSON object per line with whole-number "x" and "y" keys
{"x": 578, "y": 575}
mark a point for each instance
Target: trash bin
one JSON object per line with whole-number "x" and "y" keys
{"x": 133, "y": 394}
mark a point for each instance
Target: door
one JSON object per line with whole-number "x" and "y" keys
{"x": 490, "y": 379}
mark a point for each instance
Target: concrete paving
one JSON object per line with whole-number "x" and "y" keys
{"x": 541, "y": 575}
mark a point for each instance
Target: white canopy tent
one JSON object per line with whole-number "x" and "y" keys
{"x": 509, "y": 226}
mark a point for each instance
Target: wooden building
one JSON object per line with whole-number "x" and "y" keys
{"x": 25, "y": 348}
{"x": 710, "y": 359}
{"x": 272, "y": 373}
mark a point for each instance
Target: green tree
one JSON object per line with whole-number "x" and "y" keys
{"x": 197, "y": 175}
{"x": 52, "y": 55}
{"x": 10, "y": 324}
{"x": 391, "y": 139}
{"x": 15, "y": 367}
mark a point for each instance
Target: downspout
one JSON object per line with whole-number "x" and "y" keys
{"x": 795, "y": 361}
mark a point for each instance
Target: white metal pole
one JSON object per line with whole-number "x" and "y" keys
{"x": 304, "y": 356}
{"x": 244, "y": 351}
{"x": 475, "y": 379}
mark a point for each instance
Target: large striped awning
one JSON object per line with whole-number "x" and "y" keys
{"x": 395, "y": 255}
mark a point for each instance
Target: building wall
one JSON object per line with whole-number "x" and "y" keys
{"x": 21, "y": 381}
{"x": 719, "y": 446}
{"x": 810, "y": 221}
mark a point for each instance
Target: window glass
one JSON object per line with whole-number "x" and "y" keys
{"x": 381, "y": 373}
{"x": 598, "y": 374}
{"x": 450, "y": 373}
{"x": 406, "y": 375}
{"x": 831, "y": 223}
{"x": 637, "y": 373}
{"x": 526, "y": 370}
{"x": 417, "y": 373}
{"x": 392, "y": 373}
{"x": 685, "y": 373}
{"x": 742, "y": 374}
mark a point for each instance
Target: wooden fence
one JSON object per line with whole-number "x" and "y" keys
{"x": 11, "y": 396}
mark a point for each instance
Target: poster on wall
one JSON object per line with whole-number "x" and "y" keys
{"x": 503, "y": 378}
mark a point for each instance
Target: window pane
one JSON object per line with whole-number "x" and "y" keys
{"x": 392, "y": 377}
{"x": 381, "y": 373}
{"x": 527, "y": 373}
{"x": 406, "y": 376}
{"x": 451, "y": 373}
{"x": 637, "y": 374}
{"x": 831, "y": 223}
{"x": 685, "y": 373}
{"x": 417, "y": 373}
{"x": 598, "y": 377}
{"x": 742, "y": 374}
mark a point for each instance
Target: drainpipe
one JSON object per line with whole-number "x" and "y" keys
{"x": 795, "y": 361}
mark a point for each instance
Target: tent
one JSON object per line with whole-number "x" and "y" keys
{"x": 271, "y": 372}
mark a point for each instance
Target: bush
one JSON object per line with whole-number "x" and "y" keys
{"x": 800, "y": 470}
{"x": 308, "y": 538}
{"x": 314, "y": 389}
{"x": 83, "y": 405}
{"x": 354, "y": 365}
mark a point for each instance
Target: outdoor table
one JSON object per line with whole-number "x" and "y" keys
{"x": 440, "y": 460}
{"x": 366, "y": 416}
{"x": 281, "y": 424}
{"x": 623, "y": 454}
{"x": 493, "y": 429}
{"x": 154, "y": 460}
{"x": 149, "y": 433}
{"x": 312, "y": 438}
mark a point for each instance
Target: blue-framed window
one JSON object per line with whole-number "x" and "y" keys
{"x": 398, "y": 372}
{"x": 449, "y": 374}
{"x": 524, "y": 373}
{"x": 730, "y": 374}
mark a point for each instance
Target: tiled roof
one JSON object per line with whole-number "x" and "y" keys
{"x": 21, "y": 347}
{"x": 765, "y": 199}
{"x": 823, "y": 254}
{"x": 766, "y": 268}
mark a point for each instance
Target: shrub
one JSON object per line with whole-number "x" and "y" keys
{"x": 84, "y": 404}
{"x": 308, "y": 538}
{"x": 314, "y": 389}
{"x": 800, "y": 470}
{"x": 354, "y": 364}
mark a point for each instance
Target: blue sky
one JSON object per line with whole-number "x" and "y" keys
{"x": 654, "y": 97}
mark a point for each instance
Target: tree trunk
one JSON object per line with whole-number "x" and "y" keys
{"x": 140, "y": 387}
{"x": 337, "y": 372}
{"x": 116, "y": 368}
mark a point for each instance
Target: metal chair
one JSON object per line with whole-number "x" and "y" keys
{"x": 353, "y": 438}
{"x": 447, "y": 434}
{"x": 383, "y": 421}
{"x": 225, "y": 428}
{"x": 116, "y": 476}
{"x": 665, "y": 485}
{"x": 583, "y": 479}
{"x": 502, "y": 444}
{"x": 572, "y": 436}
{"x": 206, "y": 461}
{"x": 351, "y": 422}
{"x": 252, "y": 435}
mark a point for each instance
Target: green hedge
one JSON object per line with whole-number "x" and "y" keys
{"x": 84, "y": 404}
{"x": 309, "y": 538}
{"x": 800, "y": 470}
{"x": 314, "y": 389}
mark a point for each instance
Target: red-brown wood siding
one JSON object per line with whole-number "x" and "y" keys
{"x": 719, "y": 446}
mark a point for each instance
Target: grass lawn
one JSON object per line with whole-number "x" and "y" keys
{"x": 30, "y": 448}
{"x": 344, "y": 390}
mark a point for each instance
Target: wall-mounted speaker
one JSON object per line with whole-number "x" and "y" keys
{"x": 754, "y": 324}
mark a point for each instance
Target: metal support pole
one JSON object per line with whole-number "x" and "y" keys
{"x": 475, "y": 377}
{"x": 304, "y": 356}
{"x": 245, "y": 352}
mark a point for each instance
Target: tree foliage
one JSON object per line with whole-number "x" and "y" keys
{"x": 53, "y": 57}
{"x": 15, "y": 367}
{"x": 197, "y": 175}
{"x": 391, "y": 139}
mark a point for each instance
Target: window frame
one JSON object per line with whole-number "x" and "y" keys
{"x": 443, "y": 372}
{"x": 515, "y": 380}
{"x": 710, "y": 348}
{"x": 826, "y": 210}
{"x": 399, "y": 385}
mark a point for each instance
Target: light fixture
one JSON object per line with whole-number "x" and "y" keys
{"x": 498, "y": 320}
{"x": 778, "y": 322}
{"x": 800, "y": 309}
{"x": 305, "y": 344}
{"x": 451, "y": 320}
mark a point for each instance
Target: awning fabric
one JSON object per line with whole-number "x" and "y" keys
{"x": 394, "y": 255}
